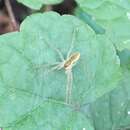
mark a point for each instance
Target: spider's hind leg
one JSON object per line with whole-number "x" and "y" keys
{"x": 69, "y": 86}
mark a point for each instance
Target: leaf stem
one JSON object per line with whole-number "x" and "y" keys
{"x": 15, "y": 25}
{"x": 48, "y": 8}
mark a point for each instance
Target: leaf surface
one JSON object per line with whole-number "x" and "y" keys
{"x": 111, "y": 112}
{"x": 105, "y": 9}
{"x": 118, "y": 31}
{"x": 37, "y": 4}
{"x": 28, "y": 81}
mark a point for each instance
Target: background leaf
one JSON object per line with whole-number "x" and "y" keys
{"x": 105, "y": 9}
{"x": 118, "y": 31}
{"x": 51, "y": 115}
{"x": 111, "y": 112}
{"x": 114, "y": 26}
{"x": 88, "y": 19}
{"x": 37, "y": 4}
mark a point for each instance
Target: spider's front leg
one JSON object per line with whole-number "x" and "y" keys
{"x": 59, "y": 66}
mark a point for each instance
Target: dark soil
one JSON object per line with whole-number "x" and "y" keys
{"x": 20, "y": 12}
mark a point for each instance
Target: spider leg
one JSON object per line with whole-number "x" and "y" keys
{"x": 41, "y": 66}
{"x": 56, "y": 50}
{"x": 72, "y": 42}
{"x": 69, "y": 86}
{"x": 57, "y": 67}
{"x": 46, "y": 68}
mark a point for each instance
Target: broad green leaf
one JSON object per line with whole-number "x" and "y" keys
{"x": 118, "y": 31}
{"x": 93, "y": 4}
{"x": 37, "y": 4}
{"x": 90, "y": 4}
{"x": 89, "y": 20}
{"x": 51, "y": 116}
{"x": 27, "y": 58}
{"x": 112, "y": 111}
{"x": 23, "y": 109}
{"x": 105, "y": 9}
{"x": 123, "y": 3}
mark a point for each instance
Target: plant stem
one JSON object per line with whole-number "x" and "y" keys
{"x": 48, "y": 8}
{"x": 11, "y": 15}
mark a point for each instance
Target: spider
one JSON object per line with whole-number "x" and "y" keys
{"x": 66, "y": 64}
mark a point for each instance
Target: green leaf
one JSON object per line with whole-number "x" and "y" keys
{"x": 89, "y": 20}
{"x": 123, "y": 3}
{"x": 51, "y": 115}
{"x": 118, "y": 31}
{"x": 93, "y": 4}
{"x": 23, "y": 109}
{"x": 115, "y": 22}
{"x": 90, "y": 4}
{"x": 37, "y": 4}
{"x": 105, "y": 9}
{"x": 111, "y": 112}
{"x": 26, "y": 76}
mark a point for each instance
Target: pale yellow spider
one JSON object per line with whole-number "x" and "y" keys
{"x": 67, "y": 64}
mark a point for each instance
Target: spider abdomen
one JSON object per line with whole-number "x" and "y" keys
{"x": 72, "y": 60}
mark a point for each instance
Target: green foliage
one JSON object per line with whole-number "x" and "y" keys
{"x": 115, "y": 25}
{"x": 89, "y": 20}
{"x": 37, "y": 4}
{"x": 118, "y": 31}
{"x": 111, "y": 112}
{"x": 51, "y": 115}
{"x": 33, "y": 90}
{"x": 32, "y": 95}
{"x": 105, "y": 9}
